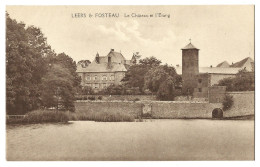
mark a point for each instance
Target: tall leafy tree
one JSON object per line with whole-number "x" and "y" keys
{"x": 19, "y": 65}
{"x": 162, "y": 80}
{"x": 67, "y": 62}
{"x": 29, "y": 60}
{"x": 58, "y": 88}
{"x": 134, "y": 77}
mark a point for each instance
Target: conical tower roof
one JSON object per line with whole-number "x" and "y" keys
{"x": 190, "y": 46}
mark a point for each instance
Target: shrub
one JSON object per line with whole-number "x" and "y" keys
{"x": 87, "y": 90}
{"x": 99, "y": 97}
{"x": 136, "y": 99}
{"x": 227, "y": 102}
{"x": 92, "y": 98}
{"x": 101, "y": 116}
{"x": 244, "y": 81}
{"x": 42, "y": 116}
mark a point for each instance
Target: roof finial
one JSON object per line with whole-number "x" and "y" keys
{"x": 190, "y": 40}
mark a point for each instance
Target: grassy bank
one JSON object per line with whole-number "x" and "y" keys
{"x": 44, "y": 116}
{"x": 101, "y": 116}
{"x": 41, "y": 116}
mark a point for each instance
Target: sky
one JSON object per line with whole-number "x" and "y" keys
{"x": 222, "y": 33}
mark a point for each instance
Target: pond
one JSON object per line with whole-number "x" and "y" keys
{"x": 178, "y": 139}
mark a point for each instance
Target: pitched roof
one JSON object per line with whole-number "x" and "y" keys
{"x": 212, "y": 70}
{"x": 242, "y": 62}
{"x": 218, "y": 70}
{"x": 102, "y": 67}
{"x": 102, "y": 59}
{"x": 117, "y": 63}
{"x": 189, "y": 46}
{"x": 116, "y": 57}
{"x": 223, "y": 64}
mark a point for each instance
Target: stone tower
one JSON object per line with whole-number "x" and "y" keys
{"x": 190, "y": 68}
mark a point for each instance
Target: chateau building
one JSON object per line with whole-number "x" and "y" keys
{"x": 104, "y": 70}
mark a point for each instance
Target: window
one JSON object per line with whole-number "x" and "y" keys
{"x": 112, "y": 77}
{"x": 96, "y": 85}
{"x": 88, "y": 77}
{"x": 104, "y": 85}
{"x": 200, "y": 80}
{"x": 218, "y": 100}
{"x": 104, "y": 77}
{"x": 95, "y": 78}
{"x": 200, "y": 90}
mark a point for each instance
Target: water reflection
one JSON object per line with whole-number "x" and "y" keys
{"x": 191, "y": 139}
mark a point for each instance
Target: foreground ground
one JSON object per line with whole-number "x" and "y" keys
{"x": 151, "y": 140}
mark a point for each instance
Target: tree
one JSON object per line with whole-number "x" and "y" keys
{"x": 243, "y": 81}
{"x": 87, "y": 90}
{"x": 150, "y": 61}
{"x": 67, "y": 62}
{"x": 58, "y": 89}
{"x": 227, "y": 102}
{"x": 134, "y": 77}
{"x": 24, "y": 66}
{"x": 83, "y": 63}
{"x": 115, "y": 90}
{"x": 28, "y": 58}
{"x": 162, "y": 80}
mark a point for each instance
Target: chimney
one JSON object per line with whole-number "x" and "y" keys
{"x": 210, "y": 66}
{"x": 97, "y": 58}
{"x": 112, "y": 50}
{"x": 109, "y": 61}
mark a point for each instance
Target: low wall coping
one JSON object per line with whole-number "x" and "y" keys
{"x": 163, "y": 102}
{"x": 241, "y": 92}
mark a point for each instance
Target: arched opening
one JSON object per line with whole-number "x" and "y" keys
{"x": 217, "y": 113}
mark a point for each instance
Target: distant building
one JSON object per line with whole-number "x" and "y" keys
{"x": 247, "y": 64}
{"x": 223, "y": 64}
{"x": 104, "y": 70}
{"x": 200, "y": 81}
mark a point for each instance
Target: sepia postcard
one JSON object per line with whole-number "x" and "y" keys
{"x": 130, "y": 83}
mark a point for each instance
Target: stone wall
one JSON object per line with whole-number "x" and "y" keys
{"x": 158, "y": 109}
{"x": 124, "y": 97}
{"x": 244, "y": 104}
{"x": 201, "y": 91}
{"x": 183, "y": 110}
{"x": 217, "y": 94}
{"x": 96, "y": 106}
